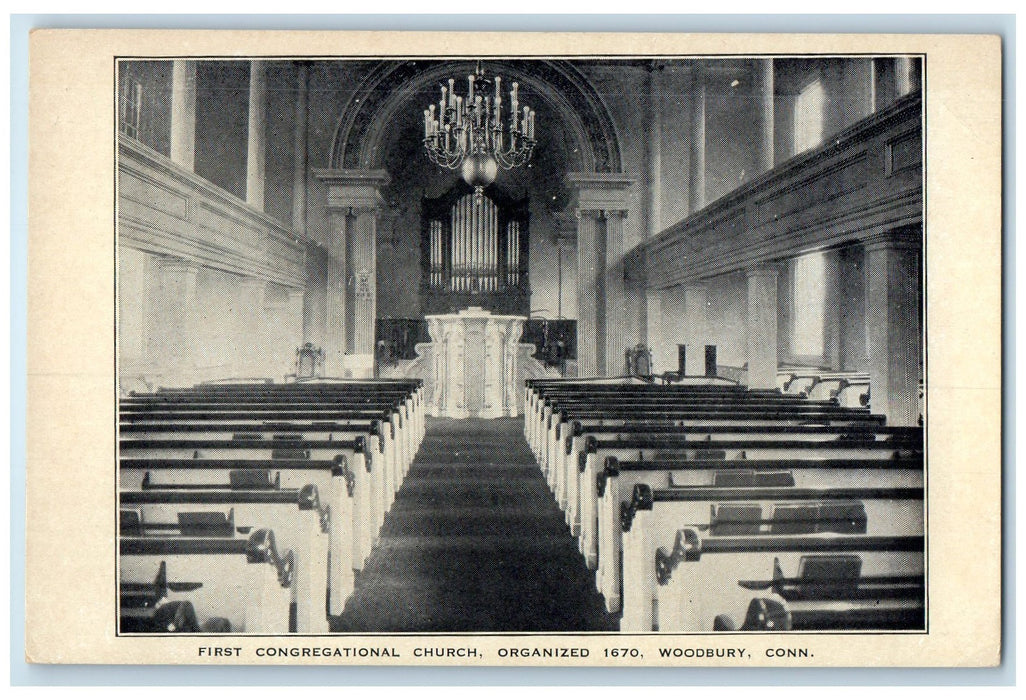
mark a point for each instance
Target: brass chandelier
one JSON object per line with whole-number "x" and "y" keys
{"x": 470, "y": 133}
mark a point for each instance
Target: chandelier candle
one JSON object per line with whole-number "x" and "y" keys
{"x": 468, "y": 133}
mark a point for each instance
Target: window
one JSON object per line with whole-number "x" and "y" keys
{"x": 130, "y": 106}
{"x": 808, "y": 116}
{"x": 809, "y": 304}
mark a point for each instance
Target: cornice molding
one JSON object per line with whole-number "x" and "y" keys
{"x": 164, "y": 210}
{"x": 354, "y": 191}
{"x": 841, "y": 194}
{"x": 599, "y": 192}
{"x": 133, "y": 153}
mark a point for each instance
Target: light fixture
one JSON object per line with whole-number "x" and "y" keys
{"x": 470, "y": 133}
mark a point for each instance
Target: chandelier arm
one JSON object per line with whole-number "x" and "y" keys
{"x": 458, "y": 129}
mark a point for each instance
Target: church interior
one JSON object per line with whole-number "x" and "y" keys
{"x": 494, "y": 345}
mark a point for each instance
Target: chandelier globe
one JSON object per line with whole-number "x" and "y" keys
{"x": 476, "y": 133}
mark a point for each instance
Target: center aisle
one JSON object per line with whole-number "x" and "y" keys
{"x": 475, "y": 543}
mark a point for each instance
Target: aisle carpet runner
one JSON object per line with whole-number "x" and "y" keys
{"x": 475, "y": 543}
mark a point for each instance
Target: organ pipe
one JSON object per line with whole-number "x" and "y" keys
{"x": 452, "y": 254}
{"x": 466, "y": 256}
{"x": 464, "y": 246}
{"x": 495, "y": 248}
{"x": 475, "y": 245}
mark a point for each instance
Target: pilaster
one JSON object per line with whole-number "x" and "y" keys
{"x": 335, "y": 316}
{"x": 764, "y": 93}
{"x": 171, "y": 343}
{"x": 183, "y": 114}
{"x": 696, "y": 326}
{"x": 299, "y": 152}
{"x": 616, "y": 292}
{"x": 762, "y": 327}
{"x": 601, "y": 203}
{"x": 587, "y": 290}
{"x": 251, "y": 330}
{"x": 696, "y": 143}
{"x": 255, "y": 139}
{"x": 295, "y": 314}
{"x": 354, "y": 202}
{"x": 893, "y": 336}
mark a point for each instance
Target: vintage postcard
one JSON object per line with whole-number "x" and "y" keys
{"x": 616, "y": 350}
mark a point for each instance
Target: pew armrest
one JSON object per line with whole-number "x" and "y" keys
{"x": 260, "y": 549}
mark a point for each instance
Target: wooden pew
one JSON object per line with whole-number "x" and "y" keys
{"x": 408, "y": 393}
{"x": 300, "y": 522}
{"x": 357, "y": 453}
{"x": 387, "y": 469}
{"x": 244, "y": 580}
{"x": 404, "y": 433}
{"x": 655, "y": 401}
{"x": 800, "y": 380}
{"x": 334, "y": 480}
{"x": 568, "y": 438}
{"x": 770, "y": 614}
{"x": 592, "y": 460}
{"x": 830, "y": 592}
{"x": 556, "y": 453}
{"x": 845, "y": 506}
{"x": 194, "y": 439}
{"x": 538, "y": 393}
{"x": 697, "y": 578}
{"x": 144, "y": 607}
{"x": 618, "y": 411}
{"x": 554, "y": 411}
{"x": 828, "y": 385}
{"x": 563, "y": 459}
{"x": 399, "y": 441}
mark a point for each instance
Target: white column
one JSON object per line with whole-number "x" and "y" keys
{"x": 764, "y": 90}
{"x": 362, "y": 245}
{"x": 655, "y": 142}
{"x": 696, "y": 334}
{"x": 832, "y": 314}
{"x": 587, "y": 328}
{"x": 660, "y": 347}
{"x": 904, "y": 76}
{"x": 616, "y": 294}
{"x": 599, "y": 309}
{"x": 762, "y": 327}
{"x": 696, "y": 166}
{"x": 335, "y": 323}
{"x": 893, "y": 336}
{"x": 295, "y": 314}
{"x": 512, "y": 382}
{"x": 299, "y": 155}
{"x": 354, "y": 201}
{"x": 257, "y": 127}
{"x": 456, "y": 371}
{"x": 183, "y": 114}
{"x": 494, "y": 369}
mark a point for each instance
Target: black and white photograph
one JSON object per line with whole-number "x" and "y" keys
{"x": 579, "y": 357}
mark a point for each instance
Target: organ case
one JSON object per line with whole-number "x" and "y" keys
{"x": 474, "y": 252}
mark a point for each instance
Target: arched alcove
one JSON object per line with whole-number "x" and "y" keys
{"x": 389, "y": 87}
{"x": 381, "y": 128}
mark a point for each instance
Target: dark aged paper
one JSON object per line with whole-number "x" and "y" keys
{"x": 72, "y": 585}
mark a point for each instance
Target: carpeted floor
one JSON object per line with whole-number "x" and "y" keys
{"x": 475, "y": 543}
